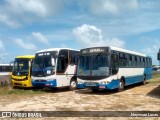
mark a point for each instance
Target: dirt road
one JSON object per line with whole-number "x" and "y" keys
{"x": 134, "y": 98}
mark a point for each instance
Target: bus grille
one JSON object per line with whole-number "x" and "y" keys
{"x": 40, "y": 80}
{"x": 18, "y": 84}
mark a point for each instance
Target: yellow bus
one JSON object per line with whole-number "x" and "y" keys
{"x": 21, "y": 72}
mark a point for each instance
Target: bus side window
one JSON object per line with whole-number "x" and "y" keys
{"x": 127, "y": 60}
{"x": 62, "y": 61}
{"x": 73, "y": 57}
{"x": 144, "y": 60}
{"x": 150, "y": 62}
{"x": 138, "y": 62}
{"x": 76, "y": 58}
{"x": 121, "y": 59}
{"x": 133, "y": 61}
{"x": 114, "y": 64}
{"x": 130, "y": 60}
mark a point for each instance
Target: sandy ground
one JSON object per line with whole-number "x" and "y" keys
{"x": 134, "y": 98}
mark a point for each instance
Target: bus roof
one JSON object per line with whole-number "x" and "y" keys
{"x": 55, "y": 49}
{"x": 128, "y": 51}
{"x": 5, "y": 64}
{"x": 26, "y": 56}
{"x": 121, "y": 50}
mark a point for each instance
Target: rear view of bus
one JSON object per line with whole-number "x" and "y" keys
{"x": 21, "y": 72}
{"x": 55, "y": 67}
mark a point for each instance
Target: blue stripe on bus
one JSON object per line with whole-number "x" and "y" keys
{"x": 80, "y": 86}
{"x": 50, "y": 84}
{"x": 112, "y": 85}
{"x": 115, "y": 83}
{"x": 133, "y": 79}
{"x": 148, "y": 72}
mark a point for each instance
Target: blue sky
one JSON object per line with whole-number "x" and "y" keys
{"x": 27, "y": 26}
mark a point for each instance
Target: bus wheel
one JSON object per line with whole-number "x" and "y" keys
{"x": 73, "y": 85}
{"x": 144, "y": 80}
{"x": 121, "y": 86}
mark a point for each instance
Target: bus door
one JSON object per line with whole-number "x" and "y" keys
{"x": 62, "y": 64}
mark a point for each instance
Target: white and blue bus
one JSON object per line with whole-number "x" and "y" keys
{"x": 55, "y": 67}
{"x": 112, "y": 68}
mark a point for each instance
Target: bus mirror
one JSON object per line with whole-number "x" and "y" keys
{"x": 53, "y": 62}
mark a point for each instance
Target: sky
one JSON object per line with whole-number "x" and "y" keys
{"x": 27, "y": 26}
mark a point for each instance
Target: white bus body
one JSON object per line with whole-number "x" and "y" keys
{"x": 55, "y": 67}
{"x": 111, "y": 68}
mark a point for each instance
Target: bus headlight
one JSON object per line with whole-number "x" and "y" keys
{"x": 50, "y": 79}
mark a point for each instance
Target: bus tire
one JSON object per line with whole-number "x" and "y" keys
{"x": 121, "y": 86}
{"x": 144, "y": 80}
{"x": 73, "y": 84}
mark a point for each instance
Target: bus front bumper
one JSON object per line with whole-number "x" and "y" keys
{"x": 42, "y": 83}
{"x": 95, "y": 85}
{"x": 25, "y": 83}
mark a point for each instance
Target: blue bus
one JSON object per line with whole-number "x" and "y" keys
{"x": 112, "y": 68}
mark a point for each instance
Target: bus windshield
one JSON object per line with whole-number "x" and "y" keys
{"x": 21, "y": 67}
{"x": 42, "y": 65}
{"x": 95, "y": 65}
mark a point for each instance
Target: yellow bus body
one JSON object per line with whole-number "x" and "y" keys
{"x": 23, "y": 81}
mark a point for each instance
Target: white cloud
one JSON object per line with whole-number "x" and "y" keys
{"x": 100, "y": 7}
{"x": 3, "y": 52}
{"x": 16, "y": 13}
{"x": 40, "y": 37}
{"x": 89, "y": 36}
{"x": 25, "y": 45}
{"x": 2, "y": 48}
{"x": 152, "y": 50}
{"x": 35, "y": 7}
{"x": 7, "y": 21}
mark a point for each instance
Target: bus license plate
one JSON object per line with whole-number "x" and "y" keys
{"x": 90, "y": 84}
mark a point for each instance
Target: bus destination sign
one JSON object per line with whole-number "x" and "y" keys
{"x": 94, "y": 50}
{"x": 44, "y": 54}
